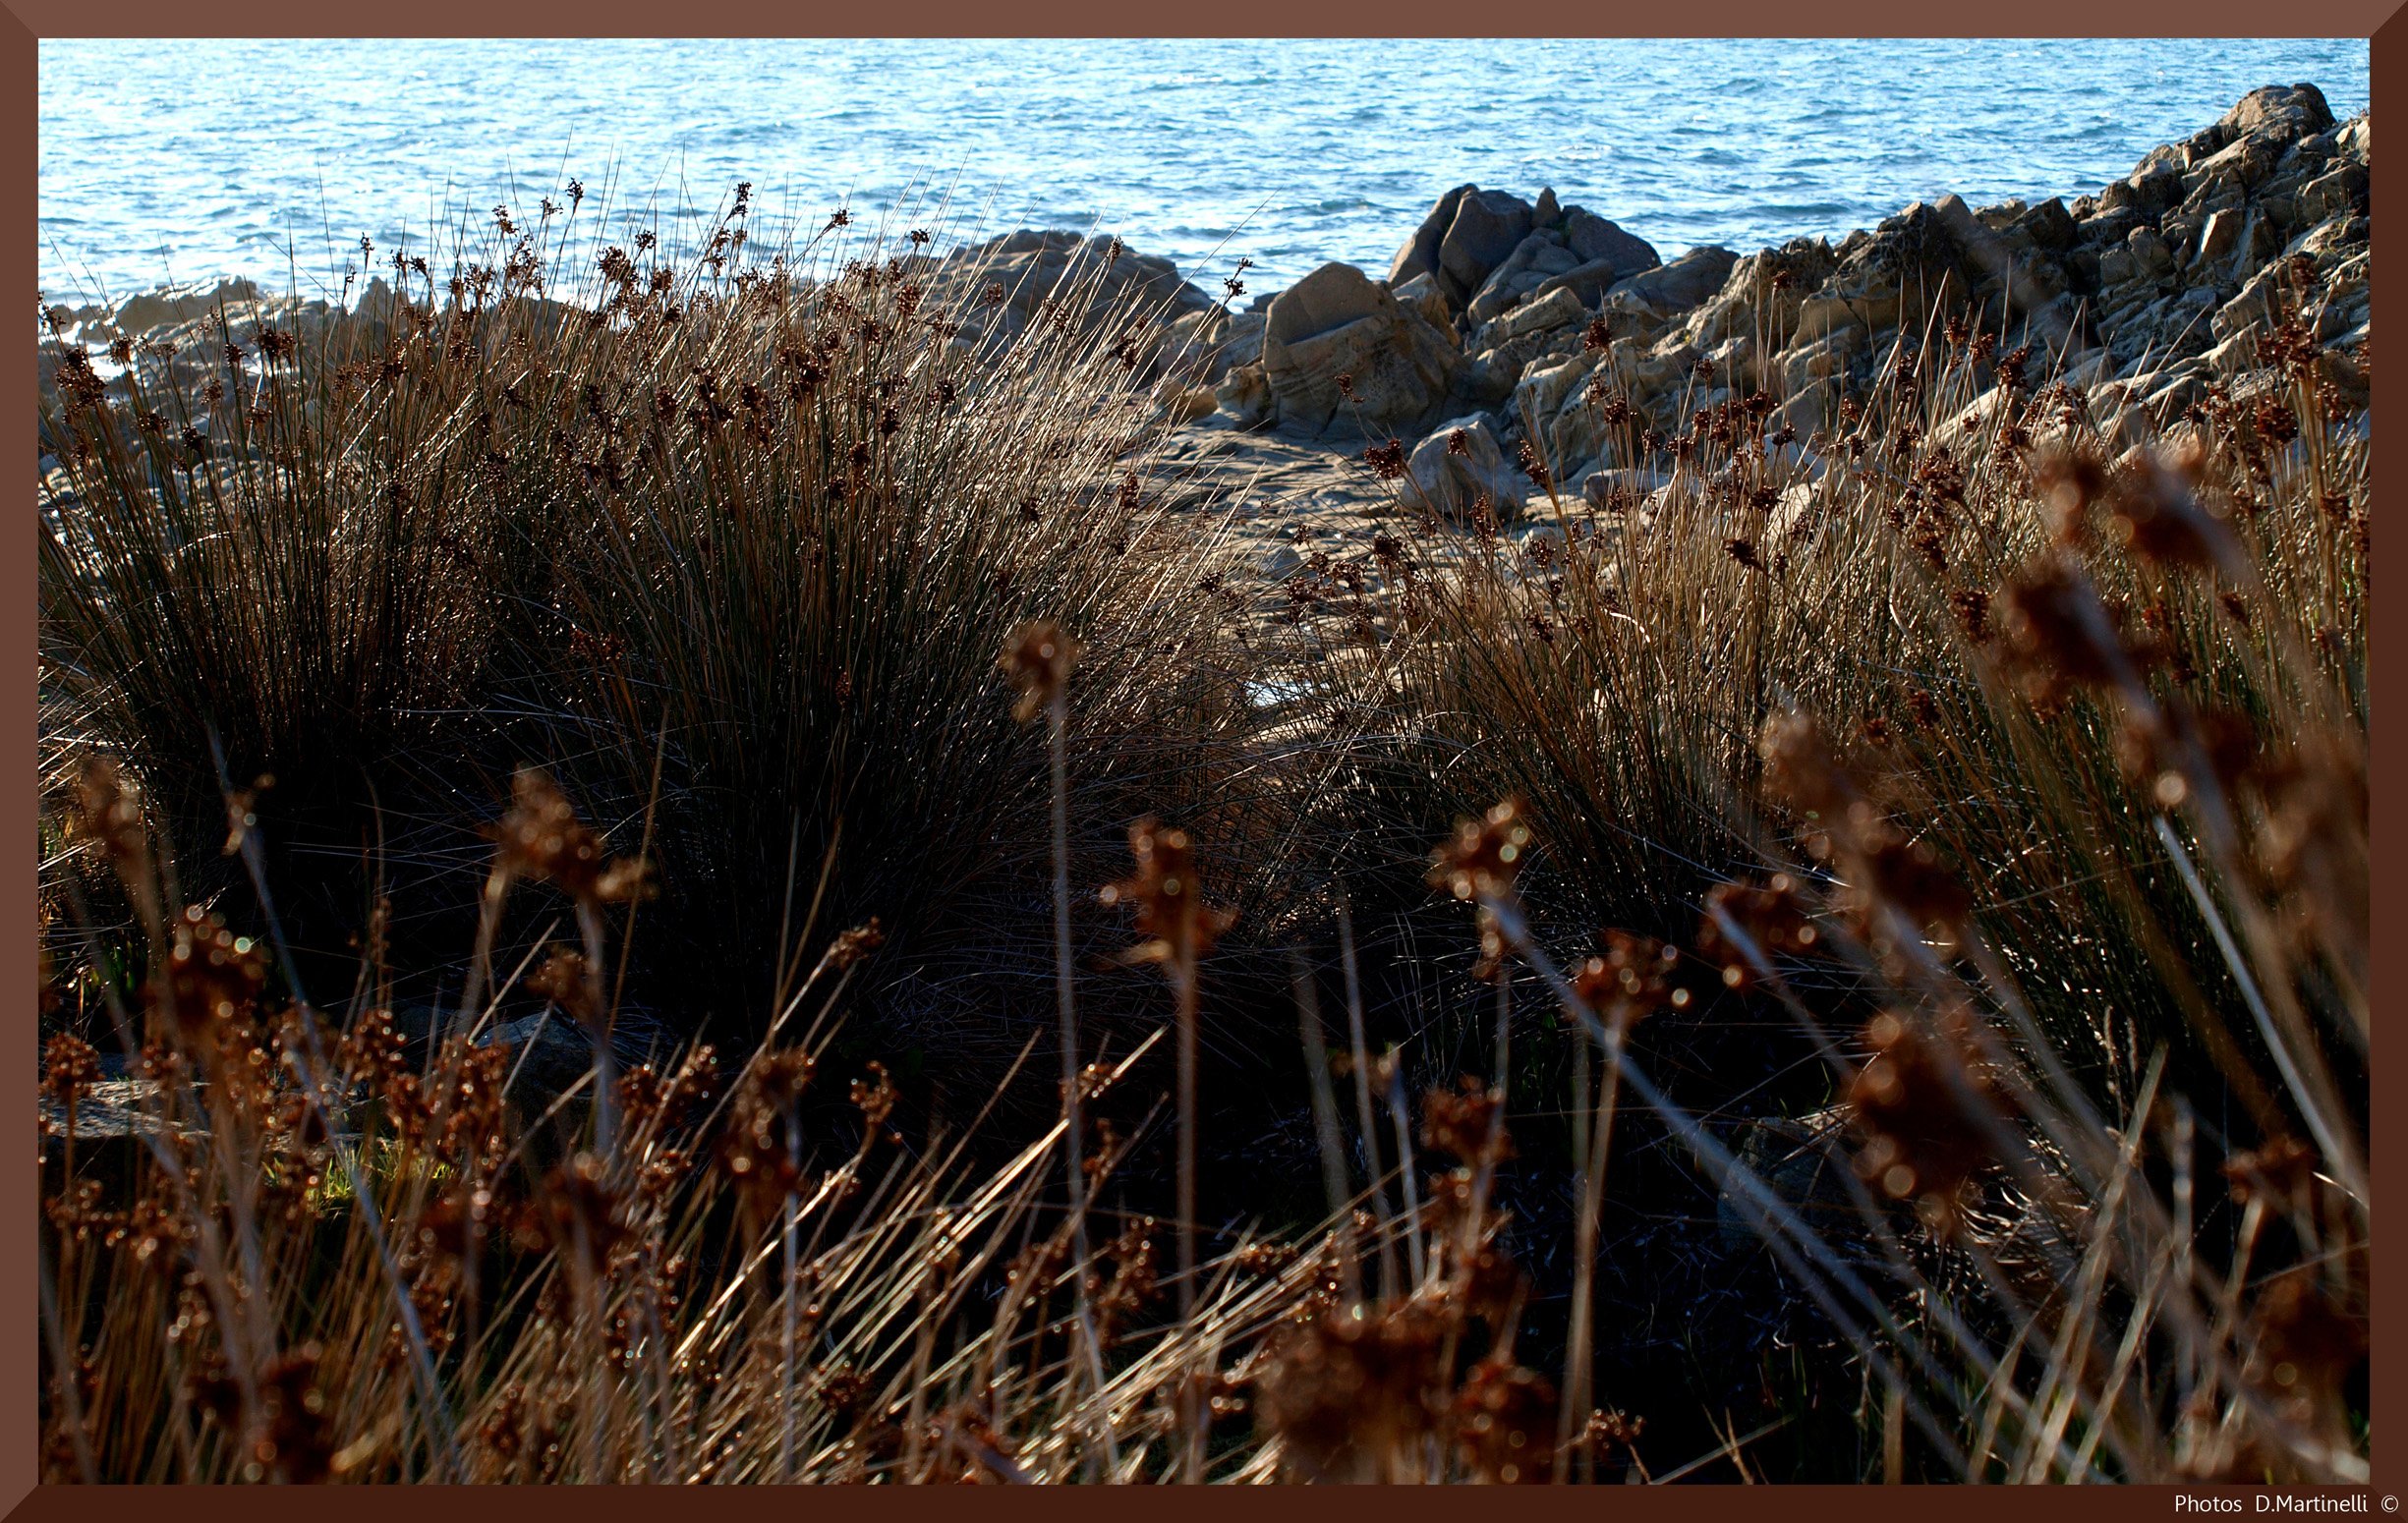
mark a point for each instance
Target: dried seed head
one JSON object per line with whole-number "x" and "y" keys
{"x": 1505, "y": 1423}
{"x": 1038, "y": 660}
{"x": 1171, "y": 912}
{"x": 1631, "y": 980}
{"x": 564, "y": 979}
{"x": 109, "y": 812}
{"x": 1771, "y": 916}
{"x": 875, "y": 1096}
{"x": 2277, "y": 1173}
{"x": 1466, "y": 1122}
{"x": 1387, "y": 460}
{"x": 2157, "y": 515}
{"x": 212, "y": 978}
{"x": 540, "y": 837}
{"x": 1484, "y": 855}
{"x": 1909, "y": 1101}
{"x": 2058, "y": 628}
{"x": 854, "y": 946}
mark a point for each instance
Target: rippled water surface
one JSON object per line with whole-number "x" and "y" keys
{"x": 182, "y": 161}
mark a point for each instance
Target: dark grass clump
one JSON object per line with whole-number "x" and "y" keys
{"x": 728, "y": 543}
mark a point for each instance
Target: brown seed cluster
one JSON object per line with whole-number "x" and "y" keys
{"x": 1178, "y": 927}
{"x": 1921, "y": 1102}
{"x": 1038, "y": 660}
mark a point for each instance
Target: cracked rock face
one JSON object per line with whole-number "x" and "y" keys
{"x": 1341, "y": 355}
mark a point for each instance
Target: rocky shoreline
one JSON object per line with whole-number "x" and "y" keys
{"x": 1508, "y": 331}
{"x": 1511, "y": 321}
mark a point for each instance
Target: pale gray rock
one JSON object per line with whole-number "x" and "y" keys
{"x": 1459, "y": 463}
{"x": 2299, "y": 107}
{"x": 1336, "y": 330}
{"x": 1534, "y": 260}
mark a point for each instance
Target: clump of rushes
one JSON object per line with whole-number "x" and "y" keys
{"x": 1944, "y": 575}
{"x": 749, "y": 515}
{"x": 2033, "y": 1204}
{"x": 415, "y": 1267}
{"x": 1963, "y": 805}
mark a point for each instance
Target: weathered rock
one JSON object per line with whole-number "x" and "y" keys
{"x": 1331, "y": 297}
{"x": 2256, "y": 302}
{"x": 2301, "y": 107}
{"x": 1202, "y": 347}
{"x": 2184, "y": 329}
{"x": 549, "y": 1052}
{"x": 1488, "y": 226}
{"x": 1419, "y": 256}
{"x": 1595, "y": 240}
{"x": 2342, "y": 189}
{"x": 1535, "y": 260}
{"x": 1801, "y": 1166}
{"x": 1182, "y": 403}
{"x": 1561, "y": 309}
{"x": 2150, "y": 256}
{"x": 1568, "y": 432}
{"x": 1461, "y": 463}
{"x": 1764, "y": 291}
{"x": 1487, "y": 377}
{"x": 172, "y": 305}
{"x": 2031, "y": 284}
{"x": 1246, "y": 395}
{"x": 1422, "y": 294}
{"x": 1589, "y": 282}
{"x": 2219, "y": 237}
{"x": 1820, "y": 360}
{"x": 117, "y": 1111}
{"x": 1619, "y": 489}
{"x": 1684, "y": 283}
{"x": 1035, "y": 267}
{"x": 1337, "y": 322}
{"x": 2152, "y": 188}
{"x": 2051, "y": 225}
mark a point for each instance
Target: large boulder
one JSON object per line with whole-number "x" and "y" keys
{"x": 1205, "y": 346}
{"x": 170, "y": 305}
{"x": 1597, "y": 241}
{"x": 1419, "y": 256}
{"x": 1341, "y": 354}
{"x": 1488, "y": 226}
{"x": 2299, "y": 107}
{"x": 1099, "y": 276}
{"x": 1687, "y": 282}
{"x": 2031, "y": 284}
{"x": 1536, "y": 259}
{"x": 1461, "y": 463}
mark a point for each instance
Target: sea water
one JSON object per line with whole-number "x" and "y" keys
{"x": 191, "y": 160}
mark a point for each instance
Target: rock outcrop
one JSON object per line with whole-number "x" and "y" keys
{"x": 2139, "y": 296}
{"x": 1342, "y": 354}
{"x": 1517, "y": 323}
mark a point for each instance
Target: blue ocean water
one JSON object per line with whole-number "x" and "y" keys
{"x": 198, "y": 159}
